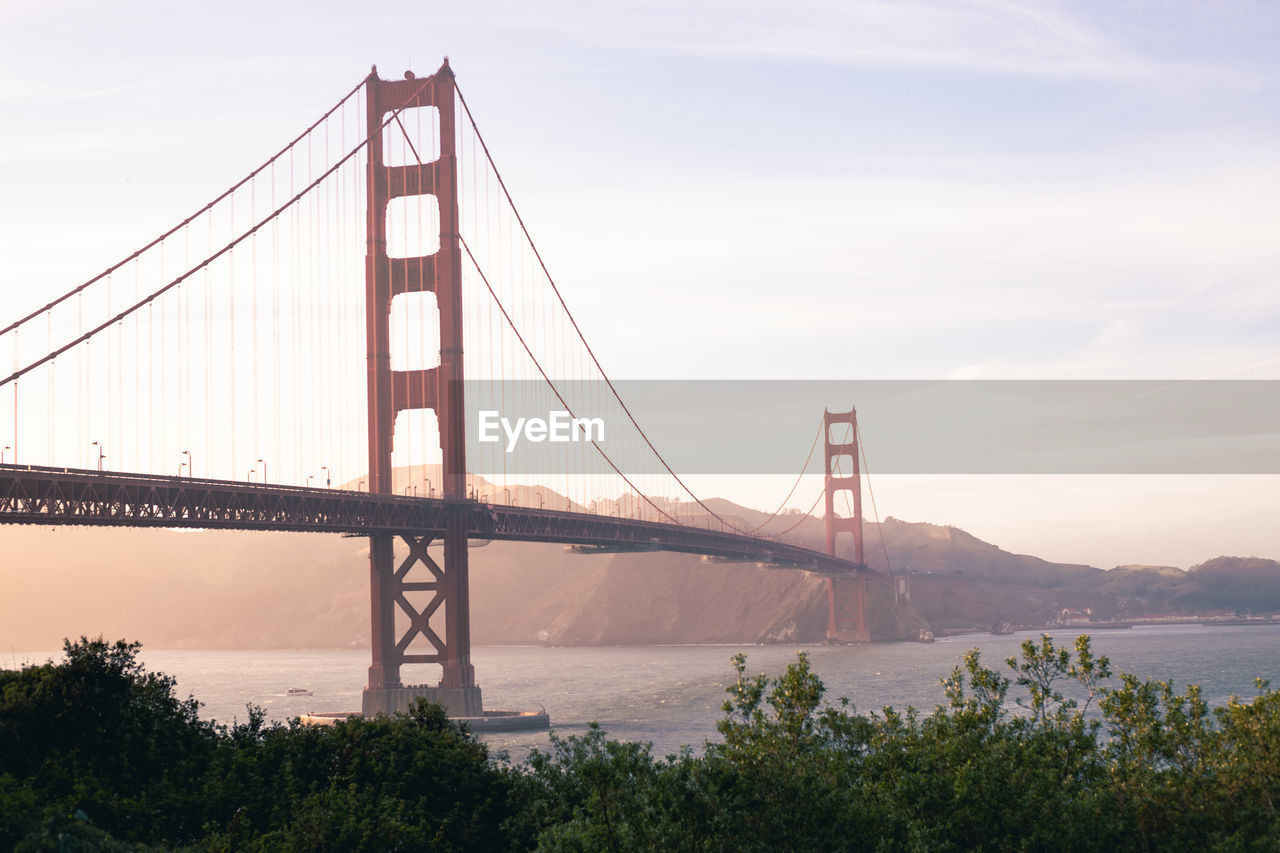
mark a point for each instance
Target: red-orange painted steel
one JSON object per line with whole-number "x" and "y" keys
{"x": 846, "y": 597}
{"x": 439, "y": 388}
{"x": 60, "y": 496}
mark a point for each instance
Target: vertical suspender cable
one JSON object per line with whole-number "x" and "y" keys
{"x": 871, "y": 492}
{"x": 161, "y": 456}
{"x": 209, "y": 327}
{"x": 231, "y": 340}
{"x": 81, "y": 401}
{"x": 277, "y": 286}
{"x": 50, "y": 417}
{"x": 253, "y": 316}
{"x": 314, "y": 375}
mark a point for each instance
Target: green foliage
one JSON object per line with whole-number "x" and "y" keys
{"x": 591, "y": 793}
{"x": 96, "y": 754}
{"x": 1066, "y": 764}
{"x": 1044, "y": 665}
{"x": 416, "y": 781}
{"x": 98, "y": 735}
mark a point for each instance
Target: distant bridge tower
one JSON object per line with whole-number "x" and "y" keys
{"x": 391, "y": 392}
{"x": 846, "y": 597}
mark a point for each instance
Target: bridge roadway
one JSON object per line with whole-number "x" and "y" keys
{"x": 70, "y": 496}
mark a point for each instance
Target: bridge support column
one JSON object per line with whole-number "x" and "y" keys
{"x": 391, "y": 392}
{"x": 458, "y": 672}
{"x": 417, "y": 590}
{"x": 385, "y": 669}
{"x": 846, "y": 597}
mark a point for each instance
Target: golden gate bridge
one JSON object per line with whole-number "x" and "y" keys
{"x": 228, "y": 347}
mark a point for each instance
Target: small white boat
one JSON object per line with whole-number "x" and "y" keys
{"x": 298, "y": 691}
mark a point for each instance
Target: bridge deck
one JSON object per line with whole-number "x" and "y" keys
{"x": 69, "y": 496}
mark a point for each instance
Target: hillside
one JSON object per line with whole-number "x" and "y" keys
{"x": 174, "y": 589}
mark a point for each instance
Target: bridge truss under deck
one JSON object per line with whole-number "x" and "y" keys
{"x": 69, "y": 496}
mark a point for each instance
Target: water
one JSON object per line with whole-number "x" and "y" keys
{"x": 671, "y": 695}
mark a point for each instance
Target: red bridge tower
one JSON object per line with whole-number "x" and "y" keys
{"x": 391, "y": 392}
{"x": 846, "y": 596}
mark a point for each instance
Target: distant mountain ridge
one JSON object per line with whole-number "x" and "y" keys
{"x": 176, "y": 589}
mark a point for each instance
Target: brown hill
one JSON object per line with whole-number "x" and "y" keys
{"x": 174, "y": 589}
{"x": 930, "y": 548}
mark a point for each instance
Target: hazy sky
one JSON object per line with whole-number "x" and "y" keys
{"x": 816, "y": 189}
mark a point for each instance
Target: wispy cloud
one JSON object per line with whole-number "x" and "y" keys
{"x": 1041, "y": 38}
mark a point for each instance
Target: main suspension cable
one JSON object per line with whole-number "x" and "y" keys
{"x": 806, "y": 515}
{"x": 224, "y": 250}
{"x": 879, "y": 527}
{"x": 574, "y": 322}
{"x": 796, "y": 484}
{"x": 175, "y": 229}
{"x": 546, "y": 377}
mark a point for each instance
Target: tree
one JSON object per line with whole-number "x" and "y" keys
{"x": 94, "y": 751}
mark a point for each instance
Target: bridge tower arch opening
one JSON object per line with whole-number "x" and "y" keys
{"x": 417, "y": 589}
{"x": 846, "y": 596}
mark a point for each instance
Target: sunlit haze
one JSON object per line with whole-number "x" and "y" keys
{"x": 864, "y": 189}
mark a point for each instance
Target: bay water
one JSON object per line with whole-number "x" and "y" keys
{"x": 672, "y": 695}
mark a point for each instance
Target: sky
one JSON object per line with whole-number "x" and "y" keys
{"x": 944, "y": 189}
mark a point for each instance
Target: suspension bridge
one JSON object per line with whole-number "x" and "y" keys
{"x": 233, "y": 374}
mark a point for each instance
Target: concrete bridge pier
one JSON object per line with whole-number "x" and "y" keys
{"x": 457, "y": 701}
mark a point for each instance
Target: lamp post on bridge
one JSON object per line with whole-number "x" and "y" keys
{"x": 101, "y": 455}
{"x": 264, "y": 470}
{"x": 2, "y": 452}
{"x": 190, "y": 473}
{"x": 327, "y": 476}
